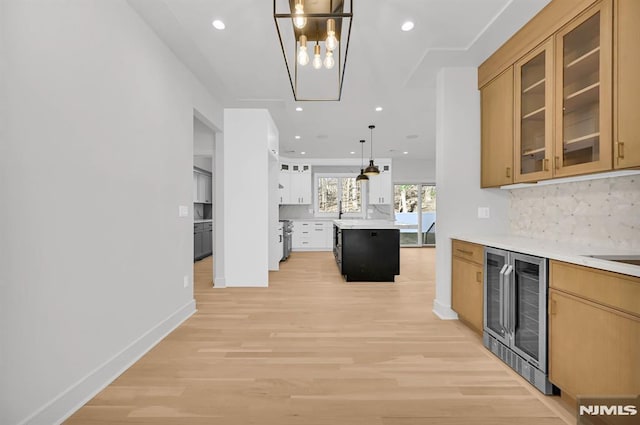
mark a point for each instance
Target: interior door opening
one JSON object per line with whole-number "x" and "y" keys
{"x": 203, "y": 196}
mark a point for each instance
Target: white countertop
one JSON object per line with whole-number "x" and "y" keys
{"x": 561, "y": 251}
{"x": 369, "y": 224}
{"x": 202, "y": 220}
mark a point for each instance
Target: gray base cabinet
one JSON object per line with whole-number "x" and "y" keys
{"x": 202, "y": 240}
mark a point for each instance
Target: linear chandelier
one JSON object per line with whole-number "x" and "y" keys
{"x": 324, "y": 25}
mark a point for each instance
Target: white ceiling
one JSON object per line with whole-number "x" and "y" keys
{"x": 243, "y": 65}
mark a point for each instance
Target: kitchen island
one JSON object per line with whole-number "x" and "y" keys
{"x": 367, "y": 250}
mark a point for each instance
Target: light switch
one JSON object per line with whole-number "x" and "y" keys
{"x": 483, "y": 212}
{"x": 183, "y": 211}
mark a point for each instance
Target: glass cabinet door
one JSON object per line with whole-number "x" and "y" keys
{"x": 528, "y": 301}
{"x": 494, "y": 295}
{"x": 534, "y": 114}
{"x": 584, "y": 71}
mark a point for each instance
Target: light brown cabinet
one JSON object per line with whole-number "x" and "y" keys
{"x": 583, "y": 93}
{"x": 466, "y": 283}
{"x": 575, "y": 93}
{"x": 626, "y": 84}
{"x": 497, "y": 131}
{"x": 594, "y": 331}
{"x": 534, "y": 76}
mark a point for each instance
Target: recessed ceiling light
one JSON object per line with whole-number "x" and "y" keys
{"x": 407, "y": 26}
{"x": 299, "y": 109}
{"x": 378, "y": 108}
{"x": 405, "y": 152}
{"x": 352, "y": 153}
{"x": 303, "y": 153}
{"x": 297, "y": 137}
{"x": 218, "y": 24}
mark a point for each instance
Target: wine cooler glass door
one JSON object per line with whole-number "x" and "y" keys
{"x": 495, "y": 264}
{"x": 528, "y": 292}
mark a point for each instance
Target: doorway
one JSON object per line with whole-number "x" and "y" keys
{"x": 203, "y": 200}
{"x": 415, "y": 205}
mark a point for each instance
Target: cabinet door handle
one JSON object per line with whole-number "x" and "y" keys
{"x": 546, "y": 164}
{"x": 479, "y": 277}
{"x": 464, "y": 251}
{"x": 553, "y": 308}
{"x": 620, "y": 150}
{"x": 557, "y": 162}
{"x": 280, "y": 238}
{"x": 508, "y": 172}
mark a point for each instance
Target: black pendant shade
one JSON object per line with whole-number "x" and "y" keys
{"x": 372, "y": 169}
{"x": 362, "y": 176}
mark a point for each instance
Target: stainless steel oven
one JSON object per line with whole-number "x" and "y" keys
{"x": 287, "y": 230}
{"x": 515, "y": 313}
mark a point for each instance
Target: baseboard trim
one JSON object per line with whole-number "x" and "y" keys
{"x": 219, "y": 283}
{"x": 77, "y": 395}
{"x": 444, "y": 312}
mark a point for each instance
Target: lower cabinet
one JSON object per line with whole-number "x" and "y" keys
{"x": 197, "y": 241}
{"x": 466, "y": 284}
{"x": 202, "y": 240}
{"x": 594, "y": 331}
{"x": 368, "y": 255}
{"x": 312, "y": 235}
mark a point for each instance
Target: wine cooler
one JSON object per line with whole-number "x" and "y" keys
{"x": 515, "y": 313}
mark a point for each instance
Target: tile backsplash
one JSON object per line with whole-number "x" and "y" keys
{"x": 604, "y": 212}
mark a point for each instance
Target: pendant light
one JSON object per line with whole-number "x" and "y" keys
{"x": 317, "y": 59}
{"x": 299, "y": 21}
{"x": 331, "y": 42}
{"x": 372, "y": 169}
{"x": 303, "y": 55}
{"x": 362, "y": 176}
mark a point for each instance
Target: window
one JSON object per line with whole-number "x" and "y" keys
{"x": 330, "y": 189}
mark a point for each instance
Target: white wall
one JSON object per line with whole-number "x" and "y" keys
{"x": 246, "y": 197}
{"x": 203, "y": 162}
{"x": 458, "y": 175}
{"x": 96, "y": 158}
{"x": 203, "y": 139}
{"x": 408, "y": 170}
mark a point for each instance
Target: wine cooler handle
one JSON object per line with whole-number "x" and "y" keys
{"x": 502, "y": 289}
{"x": 511, "y": 314}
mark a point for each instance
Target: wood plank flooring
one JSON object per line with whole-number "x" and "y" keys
{"x": 314, "y": 350}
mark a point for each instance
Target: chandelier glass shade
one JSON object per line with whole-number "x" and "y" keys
{"x": 326, "y": 24}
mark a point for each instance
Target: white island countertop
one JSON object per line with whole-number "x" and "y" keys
{"x": 561, "y": 251}
{"x": 370, "y": 224}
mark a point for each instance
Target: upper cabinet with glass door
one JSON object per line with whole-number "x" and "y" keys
{"x": 534, "y": 114}
{"x": 583, "y": 93}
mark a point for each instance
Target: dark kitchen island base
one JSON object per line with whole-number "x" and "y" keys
{"x": 367, "y": 255}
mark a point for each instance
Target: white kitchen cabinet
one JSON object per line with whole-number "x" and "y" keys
{"x": 300, "y": 184}
{"x": 202, "y": 187}
{"x": 195, "y": 186}
{"x": 312, "y": 235}
{"x": 284, "y": 183}
{"x": 295, "y": 184}
{"x": 380, "y": 186}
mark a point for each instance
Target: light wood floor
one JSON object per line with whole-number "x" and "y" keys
{"x": 314, "y": 350}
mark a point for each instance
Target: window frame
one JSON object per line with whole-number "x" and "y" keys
{"x": 339, "y": 176}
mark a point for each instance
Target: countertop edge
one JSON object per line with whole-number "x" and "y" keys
{"x": 556, "y": 251}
